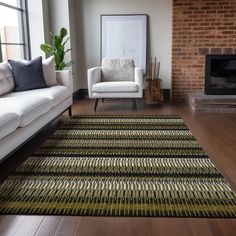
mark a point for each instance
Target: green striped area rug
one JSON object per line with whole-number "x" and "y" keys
{"x": 119, "y": 166}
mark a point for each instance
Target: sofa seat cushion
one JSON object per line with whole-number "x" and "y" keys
{"x": 115, "y": 87}
{"x": 56, "y": 94}
{"x": 28, "y": 108}
{"x": 9, "y": 121}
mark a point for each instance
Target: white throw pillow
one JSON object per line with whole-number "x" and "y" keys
{"x": 6, "y": 79}
{"x": 49, "y": 71}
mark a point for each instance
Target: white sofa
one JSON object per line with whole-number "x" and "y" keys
{"x": 22, "y": 114}
{"x": 116, "y": 78}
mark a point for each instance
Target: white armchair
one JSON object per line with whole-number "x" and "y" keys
{"x": 116, "y": 78}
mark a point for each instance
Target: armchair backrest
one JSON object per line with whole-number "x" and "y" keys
{"x": 117, "y": 69}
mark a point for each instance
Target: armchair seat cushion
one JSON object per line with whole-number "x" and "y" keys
{"x": 115, "y": 87}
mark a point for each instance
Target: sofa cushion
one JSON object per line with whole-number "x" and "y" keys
{"x": 49, "y": 71}
{"x": 56, "y": 94}
{"x": 6, "y": 79}
{"x": 9, "y": 121}
{"x": 28, "y": 108}
{"x": 117, "y": 69}
{"x": 115, "y": 87}
{"x": 28, "y": 75}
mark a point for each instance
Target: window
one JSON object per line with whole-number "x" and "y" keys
{"x": 14, "y": 34}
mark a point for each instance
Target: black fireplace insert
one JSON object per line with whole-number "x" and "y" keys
{"x": 220, "y": 75}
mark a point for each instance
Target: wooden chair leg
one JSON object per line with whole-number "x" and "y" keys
{"x": 70, "y": 111}
{"x": 96, "y": 103}
{"x": 134, "y": 104}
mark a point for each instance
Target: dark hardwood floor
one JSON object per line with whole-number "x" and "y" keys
{"x": 215, "y": 132}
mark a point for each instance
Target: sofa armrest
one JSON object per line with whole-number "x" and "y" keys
{"x": 64, "y": 77}
{"x": 94, "y": 76}
{"x": 138, "y": 77}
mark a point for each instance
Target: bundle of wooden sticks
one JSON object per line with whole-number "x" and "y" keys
{"x": 154, "y": 68}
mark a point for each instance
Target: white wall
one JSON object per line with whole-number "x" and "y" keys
{"x": 50, "y": 16}
{"x": 38, "y": 25}
{"x": 61, "y": 14}
{"x": 74, "y": 43}
{"x": 59, "y": 17}
{"x": 88, "y": 31}
{"x": 46, "y": 21}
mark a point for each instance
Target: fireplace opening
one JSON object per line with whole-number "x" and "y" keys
{"x": 220, "y": 75}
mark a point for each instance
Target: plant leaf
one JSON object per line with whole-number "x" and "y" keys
{"x": 66, "y": 41}
{"x": 68, "y": 50}
{"x": 57, "y": 41}
{"x": 63, "y": 33}
{"x": 46, "y": 48}
{"x": 62, "y": 65}
{"x": 69, "y": 63}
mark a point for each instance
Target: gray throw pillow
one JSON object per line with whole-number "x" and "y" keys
{"x": 28, "y": 75}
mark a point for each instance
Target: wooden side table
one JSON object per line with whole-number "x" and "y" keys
{"x": 154, "y": 91}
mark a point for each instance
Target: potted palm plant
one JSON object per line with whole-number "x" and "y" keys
{"x": 58, "y": 49}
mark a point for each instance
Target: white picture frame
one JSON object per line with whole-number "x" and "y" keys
{"x": 125, "y": 36}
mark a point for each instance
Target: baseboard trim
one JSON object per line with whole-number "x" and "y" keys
{"x": 83, "y": 93}
{"x": 166, "y": 93}
{"x": 80, "y": 93}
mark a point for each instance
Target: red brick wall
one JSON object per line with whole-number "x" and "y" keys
{"x": 199, "y": 27}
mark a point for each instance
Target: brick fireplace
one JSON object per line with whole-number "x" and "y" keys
{"x": 200, "y": 27}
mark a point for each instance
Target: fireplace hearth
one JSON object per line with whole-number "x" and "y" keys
{"x": 220, "y": 75}
{"x": 200, "y": 102}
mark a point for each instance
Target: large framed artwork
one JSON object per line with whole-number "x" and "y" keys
{"x": 125, "y": 36}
